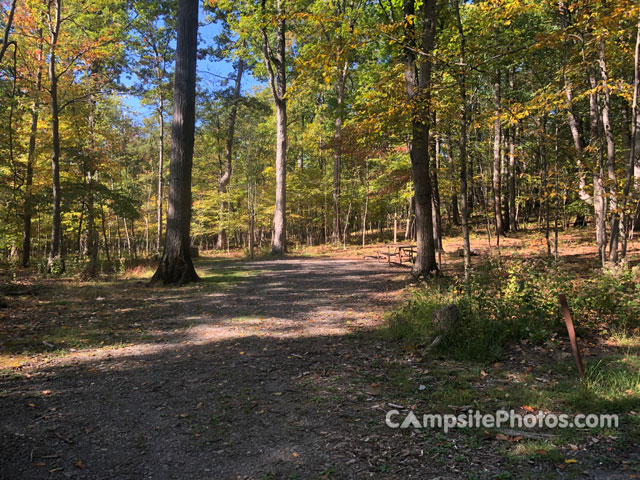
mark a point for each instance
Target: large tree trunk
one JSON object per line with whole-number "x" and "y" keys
{"x": 634, "y": 150}
{"x": 92, "y": 232}
{"x": 599, "y": 205}
{"x": 611, "y": 156}
{"x": 160, "y": 172}
{"x": 224, "y": 180}
{"x": 417, "y": 73}
{"x": 176, "y": 265}
{"x": 276, "y": 67}
{"x": 31, "y": 157}
{"x": 55, "y": 262}
{"x": 435, "y": 197}
{"x": 337, "y": 155}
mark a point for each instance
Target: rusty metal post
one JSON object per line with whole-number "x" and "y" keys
{"x": 572, "y": 334}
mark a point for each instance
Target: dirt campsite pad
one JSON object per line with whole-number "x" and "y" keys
{"x": 265, "y": 370}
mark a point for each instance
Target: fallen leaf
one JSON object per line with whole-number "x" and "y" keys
{"x": 502, "y": 436}
{"x": 199, "y": 405}
{"x": 528, "y": 408}
{"x": 80, "y": 464}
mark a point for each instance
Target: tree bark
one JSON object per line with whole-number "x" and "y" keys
{"x": 176, "y": 265}
{"x": 55, "y": 254}
{"x": 31, "y": 157}
{"x": 337, "y": 156}
{"x": 598, "y": 168}
{"x": 160, "y": 172}
{"x": 634, "y": 150}
{"x": 512, "y": 178}
{"x": 464, "y": 201}
{"x": 417, "y": 73}
{"x": 611, "y": 155}
{"x": 276, "y": 68}
{"x": 497, "y": 164}
{"x": 224, "y": 180}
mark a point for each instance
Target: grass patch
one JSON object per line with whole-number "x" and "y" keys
{"x": 535, "y": 450}
{"x": 611, "y": 384}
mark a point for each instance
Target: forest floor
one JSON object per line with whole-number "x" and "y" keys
{"x": 270, "y": 369}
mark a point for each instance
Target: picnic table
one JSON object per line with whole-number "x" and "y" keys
{"x": 403, "y": 251}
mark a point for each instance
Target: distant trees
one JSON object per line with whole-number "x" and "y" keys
{"x": 338, "y": 121}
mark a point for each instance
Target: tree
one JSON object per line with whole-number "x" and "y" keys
{"x": 224, "y": 179}
{"x": 54, "y": 15}
{"x": 33, "y": 130}
{"x": 417, "y": 74}
{"x": 464, "y": 200}
{"x": 176, "y": 265}
{"x": 7, "y": 30}
{"x": 275, "y": 62}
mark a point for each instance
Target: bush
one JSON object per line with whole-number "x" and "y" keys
{"x": 518, "y": 301}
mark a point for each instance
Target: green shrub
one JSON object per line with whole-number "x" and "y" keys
{"x": 502, "y": 305}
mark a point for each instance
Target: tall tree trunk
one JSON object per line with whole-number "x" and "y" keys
{"x": 435, "y": 198}
{"x": 31, "y": 157}
{"x": 634, "y": 150}
{"x": 276, "y": 68}
{"x": 160, "y": 173}
{"x": 506, "y": 180}
{"x": 599, "y": 205}
{"x": 224, "y": 180}
{"x": 611, "y": 155}
{"x": 337, "y": 156}
{"x": 496, "y": 178}
{"x": 464, "y": 201}
{"x": 55, "y": 254}
{"x": 93, "y": 240}
{"x": 176, "y": 265}
{"x": 512, "y": 178}
{"x": 417, "y": 73}
{"x": 366, "y": 203}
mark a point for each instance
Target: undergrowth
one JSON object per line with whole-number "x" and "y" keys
{"x": 518, "y": 300}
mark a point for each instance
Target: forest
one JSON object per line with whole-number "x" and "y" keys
{"x": 367, "y": 205}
